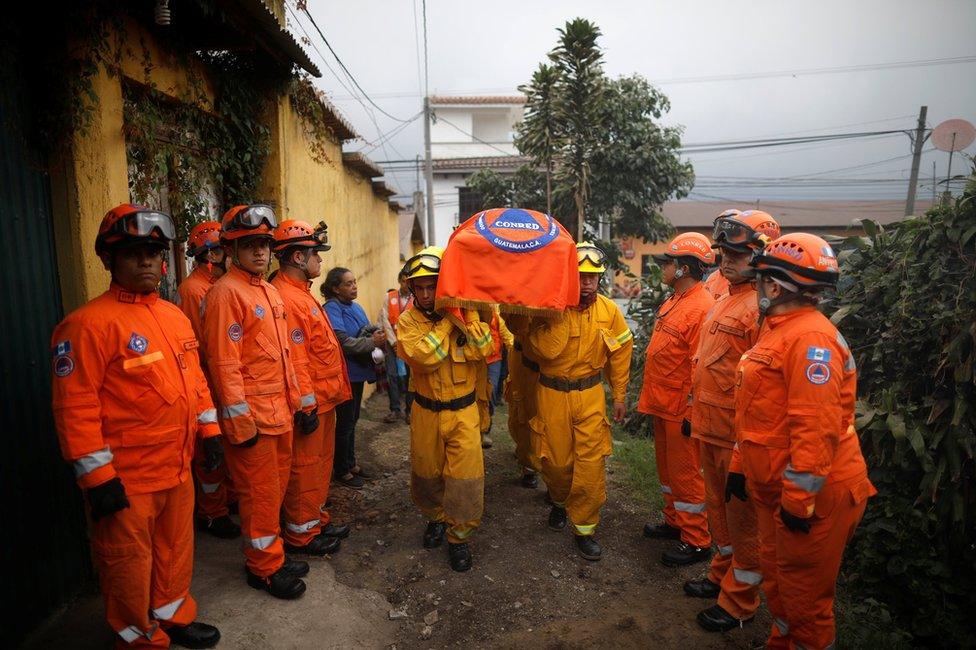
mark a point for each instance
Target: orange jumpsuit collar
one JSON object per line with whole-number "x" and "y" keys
{"x": 773, "y": 321}
{"x": 302, "y": 284}
{"x": 255, "y": 279}
{"x": 123, "y": 295}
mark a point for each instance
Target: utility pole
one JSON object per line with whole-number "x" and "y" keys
{"x": 935, "y": 186}
{"x": 428, "y": 173}
{"x": 917, "y": 143}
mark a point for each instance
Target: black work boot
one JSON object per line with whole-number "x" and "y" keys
{"x": 530, "y": 480}
{"x": 434, "y": 534}
{"x": 684, "y": 554}
{"x": 319, "y": 546}
{"x": 587, "y": 547}
{"x": 279, "y": 584}
{"x": 296, "y": 568}
{"x": 662, "y": 531}
{"x": 336, "y": 530}
{"x": 703, "y": 588}
{"x": 716, "y": 619}
{"x": 459, "y": 556}
{"x": 222, "y": 527}
{"x": 557, "y": 518}
{"x": 194, "y": 635}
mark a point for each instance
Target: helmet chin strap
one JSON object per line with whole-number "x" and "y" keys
{"x": 303, "y": 267}
{"x": 766, "y": 303}
{"x": 429, "y": 313}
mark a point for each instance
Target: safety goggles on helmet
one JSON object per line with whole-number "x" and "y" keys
{"x": 594, "y": 255}
{"x": 426, "y": 261}
{"x": 730, "y": 230}
{"x": 251, "y": 217}
{"x": 143, "y": 224}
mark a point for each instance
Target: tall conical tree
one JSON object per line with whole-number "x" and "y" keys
{"x": 578, "y": 108}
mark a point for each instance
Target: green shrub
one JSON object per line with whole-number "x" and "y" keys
{"x": 908, "y": 309}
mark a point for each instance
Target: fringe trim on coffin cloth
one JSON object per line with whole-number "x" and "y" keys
{"x": 465, "y": 303}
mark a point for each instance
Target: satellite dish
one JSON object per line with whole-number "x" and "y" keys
{"x": 953, "y": 135}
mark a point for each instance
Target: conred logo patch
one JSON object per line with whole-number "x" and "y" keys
{"x": 515, "y": 230}
{"x": 235, "y": 332}
{"x": 818, "y": 373}
{"x": 63, "y": 366}
{"x": 297, "y": 336}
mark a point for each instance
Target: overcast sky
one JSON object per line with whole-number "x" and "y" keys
{"x": 492, "y": 47}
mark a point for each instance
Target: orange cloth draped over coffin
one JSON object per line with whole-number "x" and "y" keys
{"x": 522, "y": 260}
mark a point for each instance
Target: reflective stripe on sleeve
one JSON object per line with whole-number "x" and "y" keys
{"x": 684, "y": 506}
{"x": 167, "y": 612}
{"x": 434, "y": 343}
{"x": 665, "y": 489}
{"x": 624, "y": 336}
{"x": 804, "y": 480}
{"x": 725, "y": 550}
{"x": 262, "y": 543}
{"x": 302, "y": 528}
{"x": 234, "y": 410}
{"x": 90, "y": 462}
{"x": 308, "y": 400}
{"x": 746, "y": 577}
{"x": 208, "y": 417}
{"x": 781, "y": 625}
{"x": 209, "y": 488}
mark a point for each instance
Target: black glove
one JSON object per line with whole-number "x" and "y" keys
{"x": 107, "y": 498}
{"x": 735, "y": 485}
{"x": 686, "y": 428}
{"x": 306, "y": 422}
{"x": 250, "y": 442}
{"x": 794, "y": 523}
{"x": 213, "y": 453}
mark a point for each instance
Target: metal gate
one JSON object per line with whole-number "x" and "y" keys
{"x": 45, "y": 556}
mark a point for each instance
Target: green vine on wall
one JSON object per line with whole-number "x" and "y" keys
{"x": 308, "y": 103}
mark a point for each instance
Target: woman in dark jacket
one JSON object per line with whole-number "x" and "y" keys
{"x": 358, "y": 338}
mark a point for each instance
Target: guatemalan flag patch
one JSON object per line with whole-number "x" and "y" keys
{"x": 818, "y": 354}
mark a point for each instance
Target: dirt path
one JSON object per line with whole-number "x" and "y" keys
{"x": 527, "y": 585}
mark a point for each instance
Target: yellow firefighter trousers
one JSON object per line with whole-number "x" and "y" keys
{"x": 447, "y": 480}
{"x": 520, "y": 393}
{"x": 573, "y": 441}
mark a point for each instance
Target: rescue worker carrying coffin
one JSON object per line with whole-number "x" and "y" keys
{"x": 321, "y": 371}
{"x": 129, "y": 401}
{"x": 447, "y": 480}
{"x": 666, "y": 395}
{"x": 246, "y": 337}
{"x": 729, "y": 329}
{"x": 571, "y": 426}
{"x": 798, "y": 457}
{"x": 214, "y": 487}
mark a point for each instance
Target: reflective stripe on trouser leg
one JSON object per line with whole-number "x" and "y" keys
{"x": 687, "y": 485}
{"x": 212, "y": 492}
{"x": 715, "y": 467}
{"x": 328, "y": 457}
{"x": 305, "y": 492}
{"x": 661, "y": 461}
{"x": 144, "y": 558}
{"x": 259, "y": 472}
{"x": 740, "y": 586}
{"x": 576, "y": 444}
{"x": 808, "y": 566}
{"x": 766, "y": 502}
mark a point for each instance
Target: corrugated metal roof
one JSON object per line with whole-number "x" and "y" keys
{"x": 281, "y": 38}
{"x": 380, "y": 188}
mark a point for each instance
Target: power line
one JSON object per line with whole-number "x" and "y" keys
{"x": 346, "y": 70}
{"x": 817, "y": 71}
{"x": 474, "y": 137}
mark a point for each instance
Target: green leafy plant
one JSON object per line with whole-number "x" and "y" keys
{"x": 908, "y": 310}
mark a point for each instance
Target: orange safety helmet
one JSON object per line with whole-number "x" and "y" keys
{"x": 745, "y": 231}
{"x": 799, "y": 258}
{"x": 203, "y": 237}
{"x": 246, "y": 221}
{"x": 688, "y": 244}
{"x": 129, "y": 224}
{"x": 293, "y": 232}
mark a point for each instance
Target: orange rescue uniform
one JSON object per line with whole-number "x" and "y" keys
{"x": 717, "y": 285}
{"x": 129, "y": 398}
{"x": 246, "y": 339}
{"x": 213, "y": 487}
{"x": 665, "y": 395}
{"x": 728, "y": 331}
{"x": 571, "y": 427}
{"x": 794, "y": 416}
{"x": 321, "y": 371}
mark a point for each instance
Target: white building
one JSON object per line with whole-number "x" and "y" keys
{"x": 469, "y": 134}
